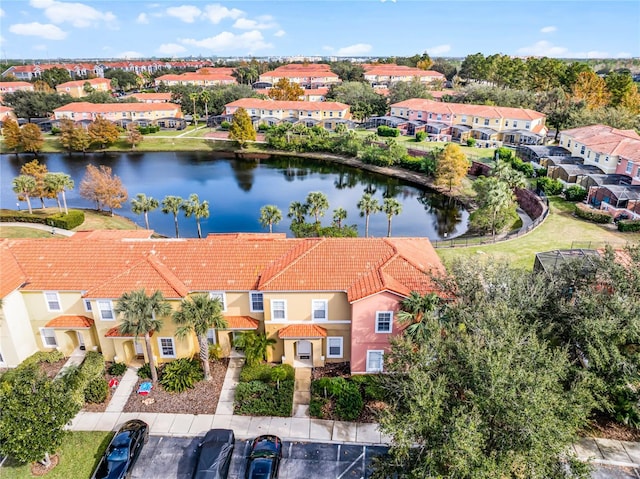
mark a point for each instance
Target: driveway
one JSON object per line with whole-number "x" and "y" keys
{"x": 174, "y": 458}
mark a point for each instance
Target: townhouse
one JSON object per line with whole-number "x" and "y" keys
{"x": 384, "y": 75}
{"x": 151, "y": 97}
{"x": 7, "y": 113}
{"x": 13, "y": 86}
{"x": 197, "y": 79}
{"x": 81, "y": 88}
{"x": 310, "y": 75}
{"x": 34, "y": 71}
{"x": 322, "y": 300}
{"x": 459, "y": 121}
{"x": 309, "y": 94}
{"x": 327, "y": 114}
{"x": 165, "y": 115}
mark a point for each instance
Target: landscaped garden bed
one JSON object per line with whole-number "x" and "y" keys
{"x": 113, "y": 371}
{"x": 336, "y": 395}
{"x": 265, "y": 389}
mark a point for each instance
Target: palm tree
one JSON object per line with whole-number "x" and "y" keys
{"x": 317, "y": 203}
{"x": 391, "y": 207}
{"x": 297, "y": 212}
{"x": 193, "y": 97}
{"x": 205, "y": 96}
{"x": 173, "y": 204}
{"x": 270, "y": 215}
{"x": 58, "y": 183}
{"x": 199, "y": 314}
{"x": 140, "y": 317}
{"x": 414, "y": 310}
{"x": 367, "y": 205}
{"x": 199, "y": 210}
{"x": 339, "y": 215}
{"x": 143, "y": 204}
{"x": 24, "y": 186}
{"x": 254, "y": 346}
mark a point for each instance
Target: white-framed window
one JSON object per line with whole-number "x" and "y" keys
{"x": 334, "y": 347}
{"x": 319, "y": 310}
{"x": 221, "y": 296}
{"x": 278, "y": 309}
{"x": 106, "y": 310}
{"x": 53, "y": 301}
{"x": 211, "y": 336}
{"x": 486, "y": 122}
{"x": 87, "y": 305}
{"x": 384, "y": 320}
{"x": 629, "y": 167}
{"x": 48, "y": 337}
{"x": 463, "y": 119}
{"x": 506, "y": 123}
{"x": 374, "y": 361}
{"x": 167, "y": 347}
{"x": 515, "y": 124}
{"x": 582, "y": 150}
{"x": 256, "y": 299}
{"x": 527, "y": 125}
{"x": 597, "y": 159}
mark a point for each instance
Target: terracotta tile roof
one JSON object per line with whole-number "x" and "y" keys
{"x": 70, "y": 322}
{"x": 80, "y": 83}
{"x": 301, "y": 70}
{"x": 253, "y": 103}
{"x": 399, "y": 70}
{"x": 115, "y": 333}
{"x": 15, "y": 85}
{"x": 166, "y": 97}
{"x": 241, "y": 322}
{"x": 197, "y": 77}
{"x": 302, "y": 331}
{"x": 607, "y": 140}
{"x": 485, "y": 111}
{"x": 112, "y": 234}
{"x": 12, "y": 276}
{"x": 86, "y": 107}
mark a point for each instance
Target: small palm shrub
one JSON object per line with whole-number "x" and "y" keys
{"x": 181, "y": 374}
{"x": 117, "y": 369}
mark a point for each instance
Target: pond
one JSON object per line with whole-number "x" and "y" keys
{"x": 236, "y": 189}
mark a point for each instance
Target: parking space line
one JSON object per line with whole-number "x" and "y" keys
{"x": 350, "y": 466}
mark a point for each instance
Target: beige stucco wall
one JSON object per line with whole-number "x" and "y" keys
{"x": 17, "y": 341}
{"x": 299, "y": 305}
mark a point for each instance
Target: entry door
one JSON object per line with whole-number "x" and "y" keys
{"x": 137, "y": 346}
{"x": 80, "y": 340}
{"x": 304, "y": 350}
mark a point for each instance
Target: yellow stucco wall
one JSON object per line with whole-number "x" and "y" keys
{"x": 299, "y": 305}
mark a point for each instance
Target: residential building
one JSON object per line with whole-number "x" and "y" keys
{"x": 309, "y": 75}
{"x": 271, "y": 112}
{"x": 165, "y": 115}
{"x": 33, "y": 72}
{"x": 309, "y": 94}
{"x": 81, "y": 88}
{"x": 610, "y": 149}
{"x": 151, "y": 97}
{"x": 384, "y": 75}
{"x": 7, "y": 113}
{"x": 322, "y": 300}
{"x": 197, "y": 79}
{"x": 13, "y": 86}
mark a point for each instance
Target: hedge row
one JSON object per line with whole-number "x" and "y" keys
{"x": 265, "y": 389}
{"x": 57, "y": 220}
{"x": 388, "y": 131}
{"x": 597, "y": 216}
{"x": 629, "y": 226}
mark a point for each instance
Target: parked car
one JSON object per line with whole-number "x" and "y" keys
{"x": 214, "y": 454}
{"x": 264, "y": 458}
{"x": 123, "y": 450}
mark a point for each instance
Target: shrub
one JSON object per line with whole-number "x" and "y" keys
{"x": 43, "y": 357}
{"x": 541, "y": 172}
{"x": 225, "y": 125}
{"x": 96, "y": 391}
{"x": 471, "y": 141}
{"x": 66, "y": 221}
{"x": 597, "y": 216}
{"x": 181, "y": 374}
{"x": 215, "y": 351}
{"x": 550, "y": 186}
{"x": 92, "y": 366}
{"x": 144, "y": 372}
{"x": 262, "y": 127}
{"x": 256, "y": 398}
{"x": 627, "y": 226}
{"x": 388, "y": 131}
{"x": 575, "y": 193}
{"x": 626, "y": 409}
{"x": 55, "y": 131}
{"x": 117, "y": 369}
{"x": 370, "y": 386}
{"x": 346, "y": 394}
{"x": 421, "y": 136}
{"x": 257, "y": 372}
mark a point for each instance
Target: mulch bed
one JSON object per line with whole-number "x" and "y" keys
{"x": 51, "y": 369}
{"x": 201, "y": 399}
{"x": 102, "y": 407}
{"x": 603, "y": 427}
{"x": 38, "y": 469}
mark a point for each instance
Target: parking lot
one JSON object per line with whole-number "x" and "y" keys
{"x": 174, "y": 458}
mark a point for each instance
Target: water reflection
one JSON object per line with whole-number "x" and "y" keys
{"x": 237, "y": 188}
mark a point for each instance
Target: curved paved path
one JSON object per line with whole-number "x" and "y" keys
{"x": 41, "y": 227}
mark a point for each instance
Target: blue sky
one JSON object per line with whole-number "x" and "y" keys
{"x": 52, "y": 29}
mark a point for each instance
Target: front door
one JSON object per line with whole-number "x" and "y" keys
{"x": 80, "y": 341}
{"x": 137, "y": 346}
{"x": 303, "y": 349}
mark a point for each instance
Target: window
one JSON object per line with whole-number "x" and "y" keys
{"x": 167, "y": 348}
{"x": 569, "y": 143}
{"x": 527, "y": 125}
{"x": 87, "y": 305}
{"x": 334, "y": 347}
{"x": 506, "y": 123}
{"x": 221, "y": 296}
{"x": 383, "y": 321}
{"x": 475, "y": 120}
{"x": 374, "y": 361}
{"x": 53, "y": 301}
{"x": 439, "y": 117}
{"x": 515, "y": 124}
{"x": 278, "y": 309}
{"x": 464, "y": 119}
{"x": 486, "y": 122}
{"x": 211, "y": 336}
{"x": 319, "y": 308}
{"x": 419, "y": 114}
{"x": 106, "y": 310}
{"x": 629, "y": 167}
{"x": 257, "y": 301}
{"x": 597, "y": 157}
{"x": 48, "y": 337}
{"x": 582, "y": 150}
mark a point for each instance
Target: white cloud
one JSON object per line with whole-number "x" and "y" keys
{"x": 77, "y": 14}
{"x": 549, "y": 29}
{"x": 623, "y": 55}
{"x": 186, "y": 13}
{"x": 544, "y": 48}
{"x": 262, "y": 23}
{"x": 226, "y": 41}
{"x": 354, "y": 50}
{"x": 280, "y": 33}
{"x": 142, "y": 18}
{"x": 216, "y": 13}
{"x": 35, "y": 29}
{"x": 130, "y": 54}
{"x": 170, "y": 49}
{"x": 1, "y": 12}
{"x": 439, "y": 50}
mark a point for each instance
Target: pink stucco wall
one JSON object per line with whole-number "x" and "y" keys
{"x": 363, "y": 327}
{"x": 621, "y": 169}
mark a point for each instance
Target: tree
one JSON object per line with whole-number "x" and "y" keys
{"x": 133, "y": 135}
{"x": 199, "y": 210}
{"x": 11, "y": 133}
{"x": 513, "y": 178}
{"x": 367, "y": 206}
{"x": 102, "y": 187}
{"x": 38, "y": 171}
{"x": 242, "y": 129}
{"x": 414, "y": 311}
{"x": 55, "y": 76}
{"x": 348, "y": 71}
{"x": 57, "y": 184}
{"x": 254, "y": 345}
{"x": 619, "y": 85}
{"x": 591, "y": 89}
{"x": 391, "y": 207}
{"x": 297, "y": 212}
{"x": 24, "y": 186}
{"x": 194, "y": 97}
{"x": 401, "y": 91}
{"x": 72, "y": 137}
{"x": 361, "y": 97}
{"x": 142, "y": 204}
{"x": 286, "y": 90}
{"x": 339, "y": 215}
{"x": 496, "y": 202}
{"x": 270, "y": 215}
{"x": 205, "y": 97}
{"x": 173, "y": 204}
{"x": 103, "y": 132}
{"x": 141, "y": 315}
{"x": 452, "y": 166}
{"x": 31, "y": 138}
{"x": 317, "y": 204}
{"x": 199, "y": 314}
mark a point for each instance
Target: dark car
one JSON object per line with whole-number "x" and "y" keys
{"x": 264, "y": 458}
{"x": 123, "y": 450}
{"x": 214, "y": 454}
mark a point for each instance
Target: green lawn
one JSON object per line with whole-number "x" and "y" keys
{"x": 79, "y": 455}
{"x": 561, "y": 230}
